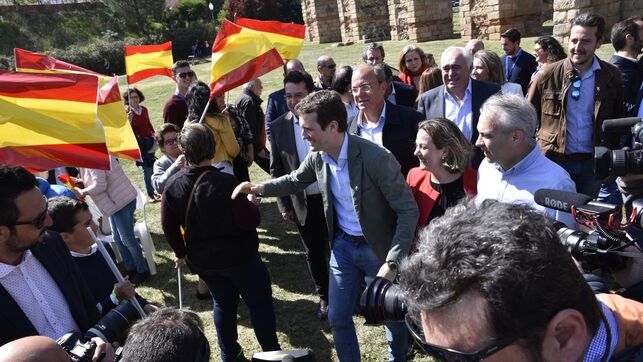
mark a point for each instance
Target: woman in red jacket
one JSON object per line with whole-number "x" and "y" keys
{"x": 444, "y": 176}
{"x": 412, "y": 62}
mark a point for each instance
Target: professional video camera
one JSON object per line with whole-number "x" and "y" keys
{"x": 382, "y": 302}
{"x": 603, "y": 247}
{"x": 111, "y": 328}
{"x": 608, "y": 162}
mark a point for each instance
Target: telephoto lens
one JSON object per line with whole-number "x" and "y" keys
{"x": 114, "y": 325}
{"x": 382, "y": 302}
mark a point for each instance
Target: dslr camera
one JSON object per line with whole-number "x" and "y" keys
{"x": 608, "y": 162}
{"x": 111, "y": 328}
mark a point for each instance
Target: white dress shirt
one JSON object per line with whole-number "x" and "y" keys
{"x": 303, "y": 149}
{"x": 519, "y": 183}
{"x": 372, "y": 131}
{"x": 460, "y": 114}
{"x": 38, "y": 295}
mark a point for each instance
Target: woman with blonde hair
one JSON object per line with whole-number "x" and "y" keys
{"x": 487, "y": 66}
{"x": 444, "y": 176}
{"x": 412, "y": 62}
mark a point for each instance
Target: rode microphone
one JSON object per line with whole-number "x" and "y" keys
{"x": 560, "y": 200}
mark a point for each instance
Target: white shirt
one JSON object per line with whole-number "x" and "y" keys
{"x": 340, "y": 187}
{"x": 511, "y": 88}
{"x": 369, "y": 130}
{"x": 519, "y": 183}
{"x": 459, "y": 114}
{"x": 303, "y": 149}
{"x": 391, "y": 97}
{"x": 38, "y": 295}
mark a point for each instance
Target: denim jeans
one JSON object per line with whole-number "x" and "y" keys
{"x": 147, "y": 177}
{"x": 122, "y": 223}
{"x": 251, "y": 280}
{"x": 350, "y": 262}
{"x": 582, "y": 174}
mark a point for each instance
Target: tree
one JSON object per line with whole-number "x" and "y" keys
{"x": 254, "y": 9}
{"x": 137, "y": 16}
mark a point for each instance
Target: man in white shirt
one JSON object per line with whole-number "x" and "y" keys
{"x": 41, "y": 290}
{"x": 514, "y": 168}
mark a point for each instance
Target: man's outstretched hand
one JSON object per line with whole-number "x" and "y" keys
{"x": 246, "y": 188}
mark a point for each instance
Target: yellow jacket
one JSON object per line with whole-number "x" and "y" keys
{"x": 226, "y": 145}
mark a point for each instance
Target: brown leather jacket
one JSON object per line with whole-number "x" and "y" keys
{"x": 548, "y": 93}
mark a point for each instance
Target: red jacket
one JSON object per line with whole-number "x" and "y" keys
{"x": 426, "y": 196}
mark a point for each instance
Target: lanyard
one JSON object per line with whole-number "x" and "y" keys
{"x": 510, "y": 71}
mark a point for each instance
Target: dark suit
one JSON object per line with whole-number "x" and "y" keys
{"x": 398, "y": 135}
{"x": 520, "y": 73}
{"x": 405, "y": 95}
{"x": 632, "y": 77}
{"x": 308, "y": 209}
{"x": 431, "y": 104}
{"x": 276, "y": 107}
{"x": 250, "y": 106}
{"x": 54, "y": 256}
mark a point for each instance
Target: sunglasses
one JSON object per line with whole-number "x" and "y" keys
{"x": 39, "y": 221}
{"x": 186, "y": 74}
{"x": 331, "y": 66}
{"x": 443, "y": 354}
{"x": 576, "y": 89}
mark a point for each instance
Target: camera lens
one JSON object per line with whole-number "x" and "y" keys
{"x": 113, "y": 326}
{"x": 382, "y": 302}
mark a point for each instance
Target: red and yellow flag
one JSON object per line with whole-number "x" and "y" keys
{"x": 239, "y": 55}
{"x": 49, "y": 121}
{"x": 288, "y": 38}
{"x": 144, "y": 61}
{"x": 121, "y": 141}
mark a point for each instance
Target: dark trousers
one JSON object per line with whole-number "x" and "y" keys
{"x": 314, "y": 237}
{"x": 251, "y": 281}
{"x": 240, "y": 169}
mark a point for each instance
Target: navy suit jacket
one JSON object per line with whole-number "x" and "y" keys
{"x": 54, "y": 256}
{"x": 276, "y": 107}
{"x": 398, "y": 135}
{"x": 521, "y": 73}
{"x": 632, "y": 77}
{"x": 431, "y": 104}
{"x": 405, "y": 95}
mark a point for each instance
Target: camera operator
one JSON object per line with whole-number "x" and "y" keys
{"x": 172, "y": 335}
{"x": 494, "y": 282}
{"x": 41, "y": 290}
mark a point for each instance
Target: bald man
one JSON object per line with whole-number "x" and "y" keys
{"x": 326, "y": 68}
{"x": 474, "y": 45}
{"x": 33, "y": 349}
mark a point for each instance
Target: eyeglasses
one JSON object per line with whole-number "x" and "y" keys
{"x": 331, "y": 66}
{"x": 186, "y": 74}
{"x": 170, "y": 141}
{"x": 366, "y": 87}
{"x": 576, "y": 91}
{"x": 39, "y": 221}
{"x": 443, "y": 354}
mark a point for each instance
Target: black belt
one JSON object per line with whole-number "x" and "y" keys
{"x": 578, "y": 157}
{"x": 358, "y": 239}
{"x": 314, "y": 196}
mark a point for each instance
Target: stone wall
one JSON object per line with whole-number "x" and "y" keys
{"x": 322, "y": 21}
{"x": 420, "y": 20}
{"x": 487, "y": 19}
{"x": 364, "y": 20}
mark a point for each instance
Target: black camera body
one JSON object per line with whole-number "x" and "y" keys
{"x": 111, "y": 328}
{"x": 608, "y": 162}
{"x": 382, "y": 302}
{"x": 594, "y": 250}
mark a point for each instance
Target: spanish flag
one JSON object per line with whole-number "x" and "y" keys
{"x": 239, "y": 55}
{"x": 49, "y": 121}
{"x": 144, "y": 61}
{"x": 288, "y": 38}
{"x": 121, "y": 141}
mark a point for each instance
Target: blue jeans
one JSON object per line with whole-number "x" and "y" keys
{"x": 350, "y": 262}
{"x": 147, "y": 177}
{"x": 122, "y": 223}
{"x": 582, "y": 174}
{"x": 251, "y": 280}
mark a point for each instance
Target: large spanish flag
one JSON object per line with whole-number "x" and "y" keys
{"x": 239, "y": 55}
{"x": 288, "y": 38}
{"x": 144, "y": 61}
{"x": 49, "y": 120}
{"x": 121, "y": 141}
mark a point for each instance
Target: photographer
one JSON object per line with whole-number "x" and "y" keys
{"x": 495, "y": 282}
{"x": 41, "y": 290}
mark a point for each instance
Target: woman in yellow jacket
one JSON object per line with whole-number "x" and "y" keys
{"x": 225, "y": 141}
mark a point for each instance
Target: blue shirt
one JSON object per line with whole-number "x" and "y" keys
{"x": 579, "y": 114}
{"x": 598, "y": 345}
{"x": 340, "y": 187}
{"x": 460, "y": 114}
{"x": 518, "y": 184}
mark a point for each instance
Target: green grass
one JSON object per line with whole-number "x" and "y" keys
{"x": 293, "y": 292}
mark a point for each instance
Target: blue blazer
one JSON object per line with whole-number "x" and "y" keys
{"x": 431, "y": 104}
{"x": 405, "y": 95}
{"x": 53, "y": 254}
{"x": 398, "y": 135}
{"x": 276, "y": 107}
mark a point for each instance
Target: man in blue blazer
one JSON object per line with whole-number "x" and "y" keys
{"x": 460, "y": 97}
{"x": 390, "y": 126}
{"x": 41, "y": 289}
{"x": 370, "y": 212}
{"x": 276, "y": 100}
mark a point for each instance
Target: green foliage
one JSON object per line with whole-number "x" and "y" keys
{"x": 136, "y": 16}
{"x": 183, "y": 38}
{"x": 282, "y": 10}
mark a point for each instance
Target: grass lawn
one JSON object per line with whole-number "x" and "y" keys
{"x": 280, "y": 247}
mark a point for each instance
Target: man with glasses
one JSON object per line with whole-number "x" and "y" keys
{"x": 389, "y": 125}
{"x": 326, "y": 68}
{"x": 176, "y": 108}
{"x": 304, "y": 208}
{"x": 460, "y": 97}
{"x": 494, "y": 283}
{"x": 573, "y": 97}
{"x": 276, "y": 102}
{"x": 42, "y": 291}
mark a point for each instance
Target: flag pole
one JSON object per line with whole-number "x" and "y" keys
{"x": 204, "y": 111}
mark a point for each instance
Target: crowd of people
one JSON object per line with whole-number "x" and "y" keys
{"x": 425, "y": 174}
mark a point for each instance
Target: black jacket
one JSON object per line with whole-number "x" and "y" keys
{"x": 632, "y": 77}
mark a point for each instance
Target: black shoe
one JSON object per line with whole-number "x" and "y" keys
{"x": 203, "y": 296}
{"x": 140, "y": 278}
{"x": 322, "y": 312}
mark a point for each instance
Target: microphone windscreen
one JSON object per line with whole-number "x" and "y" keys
{"x": 560, "y": 200}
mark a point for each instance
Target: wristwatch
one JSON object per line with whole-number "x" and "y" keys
{"x": 392, "y": 264}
